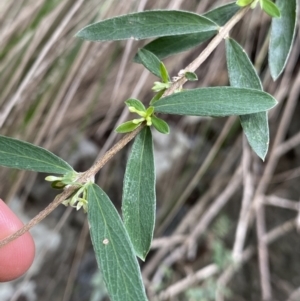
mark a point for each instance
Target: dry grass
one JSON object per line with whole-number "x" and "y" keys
{"x": 56, "y": 91}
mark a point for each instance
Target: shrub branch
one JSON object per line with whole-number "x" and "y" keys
{"x": 90, "y": 173}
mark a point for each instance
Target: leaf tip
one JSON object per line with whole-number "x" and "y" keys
{"x": 84, "y": 34}
{"x": 143, "y": 258}
{"x": 263, "y": 154}
{"x": 274, "y": 73}
{"x": 142, "y": 254}
{"x": 79, "y": 34}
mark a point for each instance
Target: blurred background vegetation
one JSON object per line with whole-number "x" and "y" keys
{"x": 68, "y": 96}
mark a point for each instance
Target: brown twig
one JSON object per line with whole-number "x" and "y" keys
{"x": 187, "y": 282}
{"x": 262, "y": 187}
{"x": 281, "y": 202}
{"x": 263, "y": 254}
{"x": 226, "y": 276}
{"x": 248, "y": 191}
{"x": 17, "y": 96}
{"x": 212, "y": 211}
{"x": 167, "y": 241}
{"x": 190, "y": 243}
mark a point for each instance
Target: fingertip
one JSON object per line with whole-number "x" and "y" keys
{"x": 17, "y": 256}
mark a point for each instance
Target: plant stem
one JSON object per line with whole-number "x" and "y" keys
{"x": 90, "y": 173}
{"x": 85, "y": 177}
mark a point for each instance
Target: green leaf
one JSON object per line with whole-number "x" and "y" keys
{"x": 113, "y": 249}
{"x": 164, "y": 73}
{"x": 191, "y": 76}
{"x": 147, "y": 24}
{"x": 282, "y": 36}
{"x": 222, "y": 14}
{"x": 138, "y": 204}
{"x": 150, "y": 61}
{"x": 127, "y": 127}
{"x": 158, "y": 86}
{"x": 270, "y": 8}
{"x": 137, "y": 104}
{"x": 243, "y": 3}
{"x": 57, "y": 185}
{"x": 23, "y": 155}
{"x": 216, "y": 101}
{"x": 243, "y": 75}
{"x": 149, "y": 111}
{"x": 157, "y": 96}
{"x": 160, "y": 125}
{"x": 241, "y": 71}
{"x": 166, "y": 46}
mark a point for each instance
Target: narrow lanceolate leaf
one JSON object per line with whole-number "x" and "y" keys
{"x": 216, "y": 101}
{"x": 150, "y": 61}
{"x": 243, "y": 75}
{"x": 147, "y": 24}
{"x": 169, "y": 45}
{"x": 113, "y": 249}
{"x": 164, "y": 73}
{"x": 138, "y": 205}
{"x": 160, "y": 125}
{"x": 127, "y": 127}
{"x": 23, "y": 155}
{"x": 137, "y": 104}
{"x": 282, "y": 36}
{"x": 270, "y": 8}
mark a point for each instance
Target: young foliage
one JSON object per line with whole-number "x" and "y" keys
{"x": 282, "y": 36}
{"x": 216, "y": 101}
{"x": 270, "y": 8}
{"x": 169, "y": 45}
{"x": 113, "y": 249}
{"x": 243, "y": 75}
{"x": 127, "y": 127}
{"x": 147, "y": 24}
{"x": 138, "y": 204}
{"x": 136, "y": 104}
{"x": 191, "y": 76}
{"x": 23, "y": 155}
{"x": 160, "y": 125}
{"x": 267, "y": 6}
{"x": 164, "y": 73}
{"x": 158, "y": 86}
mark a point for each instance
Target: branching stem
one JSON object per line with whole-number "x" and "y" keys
{"x": 85, "y": 177}
{"x": 90, "y": 173}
